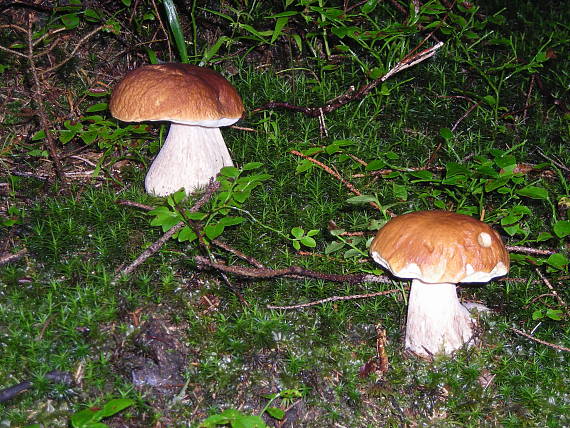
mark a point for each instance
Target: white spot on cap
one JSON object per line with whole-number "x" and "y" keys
{"x": 484, "y": 239}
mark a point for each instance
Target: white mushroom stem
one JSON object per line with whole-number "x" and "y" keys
{"x": 437, "y": 321}
{"x": 190, "y": 156}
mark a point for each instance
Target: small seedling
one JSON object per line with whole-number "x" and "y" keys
{"x": 236, "y": 419}
{"x": 92, "y": 417}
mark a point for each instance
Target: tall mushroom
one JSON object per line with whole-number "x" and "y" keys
{"x": 437, "y": 250}
{"x": 197, "y": 101}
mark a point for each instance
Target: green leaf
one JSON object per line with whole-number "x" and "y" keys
{"x": 251, "y": 166}
{"x": 400, "y": 191}
{"x": 353, "y": 252}
{"x": 241, "y": 197}
{"x": 554, "y": 314}
{"x": 66, "y": 135}
{"x": 361, "y": 199}
{"x": 176, "y": 28}
{"x": 97, "y": 107}
{"x": 249, "y": 421}
{"x": 186, "y": 234}
{"x": 536, "y": 315}
{"x": 281, "y": 14}
{"x": 375, "y": 165}
{"x": 91, "y": 15}
{"x": 279, "y": 24}
{"x": 337, "y": 232}
{"x": 71, "y": 20}
{"x": 114, "y": 406}
{"x": 275, "y": 412}
{"x": 82, "y": 418}
{"x": 453, "y": 168}
{"x": 562, "y": 228}
{"x": 333, "y": 246}
{"x": 212, "y": 50}
{"x": 212, "y": 231}
{"x": 88, "y": 136}
{"x": 558, "y": 261}
{"x": 297, "y": 232}
{"x": 534, "y": 192}
{"x": 446, "y": 133}
{"x": 489, "y": 99}
{"x": 307, "y": 241}
{"x": 40, "y": 135}
{"x": 421, "y": 175}
{"x": 543, "y": 236}
{"x": 231, "y": 221}
{"x": 303, "y": 166}
{"x": 369, "y": 6}
{"x": 230, "y": 171}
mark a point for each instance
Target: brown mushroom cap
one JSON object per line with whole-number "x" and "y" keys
{"x": 180, "y": 93}
{"x": 440, "y": 246}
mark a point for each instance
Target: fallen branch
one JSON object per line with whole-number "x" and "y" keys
{"x": 41, "y": 113}
{"x": 549, "y": 285}
{"x": 157, "y": 245}
{"x": 528, "y": 250}
{"x": 552, "y": 345}
{"x": 351, "y": 95}
{"x": 337, "y": 298}
{"x": 215, "y": 242}
{"x": 290, "y": 272}
{"x": 9, "y": 258}
{"x": 335, "y": 174}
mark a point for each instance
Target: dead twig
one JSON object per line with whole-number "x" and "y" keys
{"x": 215, "y": 242}
{"x": 549, "y": 285}
{"x": 528, "y": 250}
{"x": 74, "y": 51}
{"x": 237, "y": 253}
{"x": 335, "y": 299}
{"x": 9, "y": 258}
{"x": 464, "y": 115}
{"x": 351, "y": 95}
{"x": 290, "y": 272}
{"x": 40, "y": 110}
{"x": 552, "y": 345}
{"x": 157, "y": 245}
{"x": 134, "y": 204}
{"x": 527, "y": 103}
{"x": 335, "y": 174}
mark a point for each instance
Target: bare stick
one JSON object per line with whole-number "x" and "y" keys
{"x": 334, "y": 299}
{"x": 9, "y": 258}
{"x": 549, "y": 285}
{"x": 134, "y": 204}
{"x": 554, "y": 161}
{"x": 469, "y": 110}
{"x": 77, "y": 46}
{"x": 157, "y": 245}
{"x": 350, "y": 95}
{"x": 37, "y": 96}
{"x": 527, "y": 250}
{"x": 215, "y": 242}
{"x": 237, "y": 253}
{"x": 527, "y": 103}
{"x": 290, "y": 272}
{"x": 335, "y": 174}
{"x": 552, "y": 345}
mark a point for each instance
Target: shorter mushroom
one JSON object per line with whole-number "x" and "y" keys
{"x": 437, "y": 250}
{"x": 198, "y": 101}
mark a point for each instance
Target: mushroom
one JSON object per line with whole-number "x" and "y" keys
{"x": 197, "y": 101}
{"x": 437, "y": 250}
